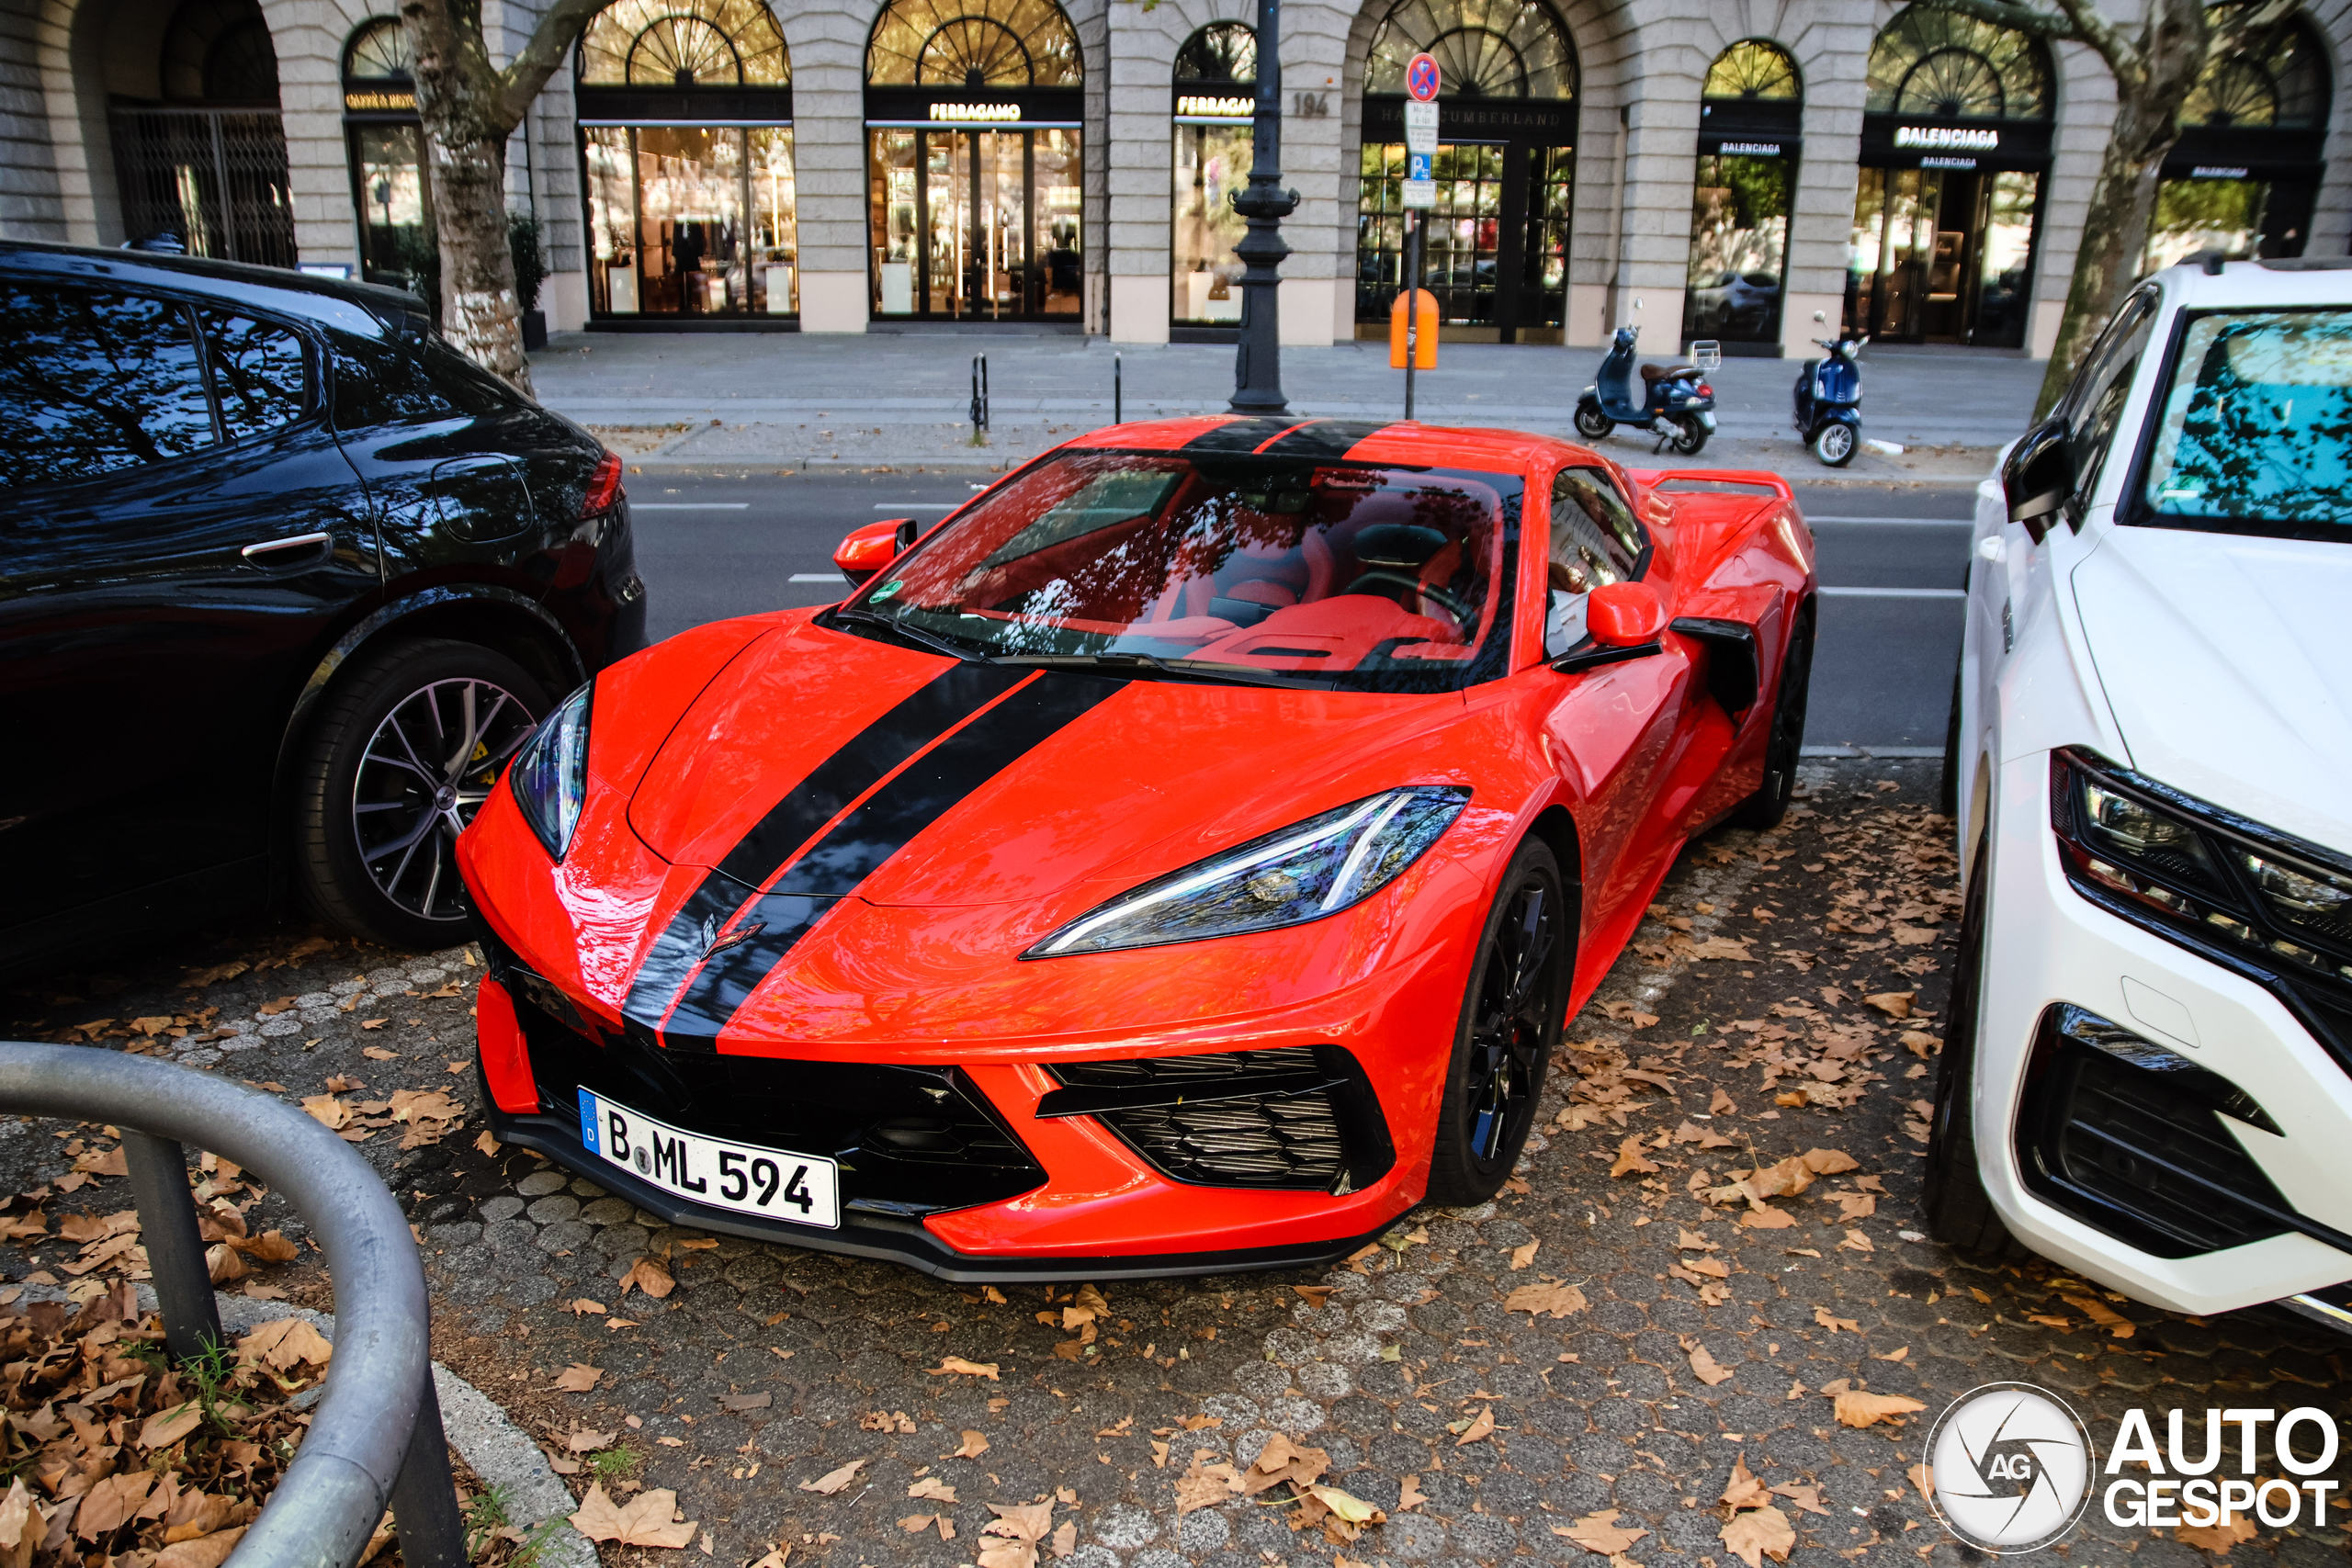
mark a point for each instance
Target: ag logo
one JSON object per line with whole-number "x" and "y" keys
{"x": 2012, "y": 1467}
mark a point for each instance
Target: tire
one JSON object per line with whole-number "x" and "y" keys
{"x": 1591, "y": 423}
{"x": 1958, "y": 1213}
{"x": 1766, "y": 809}
{"x": 1948, "y": 787}
{"x": 1693, "y": 439}
{"x": 1835, "y": 444}
{"x": 359, "y": 773}
{"x": 1511, "y": 1017}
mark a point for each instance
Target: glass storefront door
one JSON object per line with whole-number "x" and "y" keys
{"x": 688, "y": 220}
{"x": 1739, "y": 249}
{"x": 977, "y": 225}
{"x": 1941, "y": 255}
{"x": 1495, "y": 250}
{"x": 396, "y": 238}
{"x": 1212, "y": 163}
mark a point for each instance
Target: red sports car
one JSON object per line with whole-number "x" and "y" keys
{"x": 1182, "y": 859}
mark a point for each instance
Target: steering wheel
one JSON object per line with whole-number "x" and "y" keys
{"x": 1444, "y": 600}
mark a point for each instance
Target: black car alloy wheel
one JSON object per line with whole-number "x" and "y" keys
{"x": 402, "y": 757}
{"x": 1512, "y": 1023}
{"x": 1769, "y": 804}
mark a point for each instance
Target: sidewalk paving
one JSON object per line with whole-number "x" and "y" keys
{"x": 723, "y": 400}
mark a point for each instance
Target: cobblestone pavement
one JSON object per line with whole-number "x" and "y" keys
{"x": 766, "y": 1368}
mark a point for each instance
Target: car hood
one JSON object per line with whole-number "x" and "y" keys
{"x": 2221, "y": 659}
{"x": 912, "y": 780}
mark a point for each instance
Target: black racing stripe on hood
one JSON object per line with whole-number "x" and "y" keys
{"x": 838, "y": 864}
{"x": 1241, "y": 434}
{"x": 934, "y": 708}
{"x": 1326, "y": 438}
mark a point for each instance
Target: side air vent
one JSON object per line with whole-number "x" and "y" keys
{"x": 1300, "y": 1118}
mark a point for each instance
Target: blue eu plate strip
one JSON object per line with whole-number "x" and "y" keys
{"x": 588, "y": 1121}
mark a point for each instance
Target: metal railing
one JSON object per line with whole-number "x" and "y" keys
{"x": 375, "y": 1438}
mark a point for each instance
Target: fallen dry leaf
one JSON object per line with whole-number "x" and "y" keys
{"x": 957, "y": 1364}
{"x": 1548, "y": 1297}
{"x": 1744, "y": 1490}
{"x": 285, "y": 1343}
{"x": 378, "y": 1054}
{"x": 835, "y": 1481}
{"x": 1631, "y": 1160}
{"x": 975, "y": 1445}
{"x": 328, "y": 1112}
{"x": 1821, "y": 1315}
{"x": 1759, "y": 1533}
{"x": 647, "y": 1521}
{"x": 1855, "y": 1408}
{"x": 1521, "y": 1256}
{"x": 165, "y": 1427}
{"x": 1895, "y": 1004}
{"x": 933, "y": 1489}
{"x": 577, "y": 1378}
{"x": 1408, "y": 1493}
{"x": 582, "y": 1442}
{"x": 649, "y": 1276}
{"x": 1704, "y": 1365}
{"x": 1314, "y": 1296}
{"x": 1600, "y": 1532}
{"x": 1480, "y": 1427}
{"x": 2217, "y": 1537}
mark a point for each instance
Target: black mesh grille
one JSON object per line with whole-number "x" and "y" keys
{"x": 2139, "y": 1154}
{"x": 1295, "y": 1118}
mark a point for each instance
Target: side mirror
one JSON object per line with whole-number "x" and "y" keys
{"x": 868, "y": 550}
{"x": 1624, "y": 614}
{"x": 2038, "y": 477}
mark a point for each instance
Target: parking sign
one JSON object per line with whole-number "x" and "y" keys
{"x": 1421, "y": 151}
{"x": 1422, "y": 78}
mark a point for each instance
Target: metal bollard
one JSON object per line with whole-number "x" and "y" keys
{"x": 1118, "y": 393}
{"x": 980, "y": 395}
{"x": 158, "y": 1170}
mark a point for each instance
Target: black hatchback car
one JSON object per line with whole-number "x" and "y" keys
{"x": 285, "y": 579}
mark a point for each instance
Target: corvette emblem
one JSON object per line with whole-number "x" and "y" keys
{"x": 742, "y": 933}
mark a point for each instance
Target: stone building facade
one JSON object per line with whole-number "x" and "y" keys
{"x": 1754, "y": 171}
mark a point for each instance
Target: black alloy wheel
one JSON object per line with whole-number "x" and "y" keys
{"x": 1511, "y": 1020}
{"x": 1591, "y": 423}
{"x": 402, "y": 756}
{"x": 1766, "y": 809}
{"x": 1691, "y": 436}
{"x": 1958, "y": 1209}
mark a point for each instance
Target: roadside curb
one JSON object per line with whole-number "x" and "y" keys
{"x": 498, "y": 1452}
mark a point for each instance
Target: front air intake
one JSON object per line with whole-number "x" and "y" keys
{"x": 1298, "y": 1118}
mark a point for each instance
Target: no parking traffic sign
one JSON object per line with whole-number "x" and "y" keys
{"x": 1421, "y": 80}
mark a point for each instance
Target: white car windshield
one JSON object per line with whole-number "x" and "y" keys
{"x": 1366, "y": 577}
{"x": 2254, "y": 434}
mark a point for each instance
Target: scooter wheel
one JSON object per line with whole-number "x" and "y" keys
{"x": 1693, "y": 436}
{"x": 1591, "y": 423}
{"x": 1833, "y": 444}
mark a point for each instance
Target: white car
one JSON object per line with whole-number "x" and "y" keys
{"x": 2147, "y": 1072}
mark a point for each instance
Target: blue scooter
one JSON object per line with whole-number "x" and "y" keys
{"x": 1672, "y": 404}
{"x": 1829, "y": 402}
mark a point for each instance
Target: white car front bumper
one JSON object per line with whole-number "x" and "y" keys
{"x": 2046, "y": 945}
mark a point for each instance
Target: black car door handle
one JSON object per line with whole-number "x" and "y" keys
{"x": 268, "y": 551}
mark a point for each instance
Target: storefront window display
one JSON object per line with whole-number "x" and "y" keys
{"x": 1216, "y": 87}
{"x": 686, "y": 152}
{"x": 389, "y": 189}
{"x": 1496, "y": 248}
{"x": 2245, "y": 172}
{"x": 1751, "y": 112}
{"x": 1955, "y": 151}
{"x": 975, "y": 211}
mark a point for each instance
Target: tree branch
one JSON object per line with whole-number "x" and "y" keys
{"x": 561, "y": 27}
{"x": 2028, "y": 19}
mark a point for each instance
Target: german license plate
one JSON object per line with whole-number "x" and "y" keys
{"x": 775, "y": 1184}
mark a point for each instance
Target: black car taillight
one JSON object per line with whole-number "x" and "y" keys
{"x": 604, "y": 486}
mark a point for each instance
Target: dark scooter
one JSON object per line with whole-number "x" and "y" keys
{"x": 1672, "y": 404}
{"x": 1830, "y": 402}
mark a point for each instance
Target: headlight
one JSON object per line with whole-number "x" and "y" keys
{"x": 550, "y": 774}
{"x": 2182, "y": 865}
{"x": 1307, "y": 871}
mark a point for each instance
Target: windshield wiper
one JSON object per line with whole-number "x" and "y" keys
{"x": 1226, "y": 674}
{"x": 929, "y": 641}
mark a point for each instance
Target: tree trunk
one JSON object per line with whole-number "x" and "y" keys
{"x": 480, "y": 313}
{"x": 2115, "y": 234}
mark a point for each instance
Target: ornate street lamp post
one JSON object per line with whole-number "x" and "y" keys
{"x": 1257, "y": 368}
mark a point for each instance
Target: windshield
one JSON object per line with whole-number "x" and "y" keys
{"x": 2254, "y": 434}
{"x": 1360, "y": 577}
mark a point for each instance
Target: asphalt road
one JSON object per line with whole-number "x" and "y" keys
{"x": 1891, "y": 564}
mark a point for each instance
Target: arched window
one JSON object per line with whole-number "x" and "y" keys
{"x": 1485, "y": 49}
{"x": 219, "y": 52}
{"x": 2280, "y": 82}
{"x": 685, "y": 43}
{"x": 973, "y": 44}
{"x": 1752, "y": 69}
{"x": 378, "y": 52}
{"x": 1222, "y": 51}
{"x": 1938, "y": 64}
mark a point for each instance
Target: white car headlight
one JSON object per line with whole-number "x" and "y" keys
{"x": 549, "y": 776}
{"x": 1303, "y": 873}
